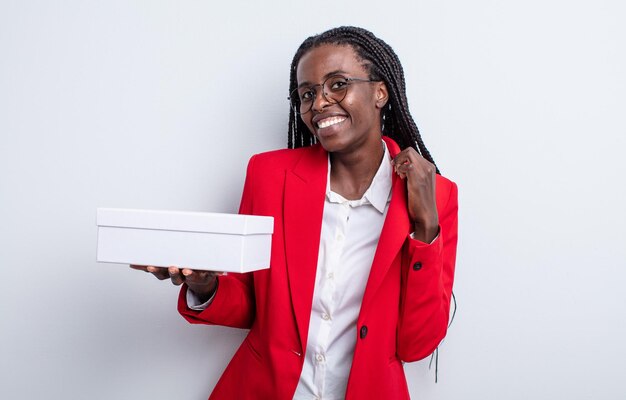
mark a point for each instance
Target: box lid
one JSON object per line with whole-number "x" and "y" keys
{"x": 235, "y": 224}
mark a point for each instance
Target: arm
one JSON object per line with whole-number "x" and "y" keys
{"x": 233, "y": 303}
{"x": 426, "y": 287}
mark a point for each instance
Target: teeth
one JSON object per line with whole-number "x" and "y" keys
{"x": 326, "y": 122}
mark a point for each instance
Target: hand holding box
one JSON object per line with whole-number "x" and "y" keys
{"x": 202, "y": 283}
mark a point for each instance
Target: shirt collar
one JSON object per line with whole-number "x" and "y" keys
{"x": 379, "y": 192}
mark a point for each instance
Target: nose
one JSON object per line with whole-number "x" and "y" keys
{"x": 320, "y": 101}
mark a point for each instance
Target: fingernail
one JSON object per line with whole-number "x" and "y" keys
{"x": 151, "y": 269}
{"x": 186, "y": 272}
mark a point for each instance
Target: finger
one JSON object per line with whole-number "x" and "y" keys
{"x": 414, "y": 164}
{"x": 401, "y": 161}
{"x": 175, "y": 275}
{"x": 408, "y": 159}
{"x": 139, "y": 267}
{"x": 199, "y": 277}
{"x": 401, "y": 165}
{"x": 159, "y": 272}
{"x": 407, "y": 154}
{"x": 187, "y": 272}
{"x": 404, "y": 170}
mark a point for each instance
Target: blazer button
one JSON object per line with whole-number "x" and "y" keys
{"x": 363, "y": 332}
{"x": 417, "y": 266}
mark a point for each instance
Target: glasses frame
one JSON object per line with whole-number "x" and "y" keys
{"x": 296, "y": 102}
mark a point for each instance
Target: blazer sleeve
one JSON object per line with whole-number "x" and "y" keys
{"x": 426, "y": 286}
{"x": 234, "y": 301}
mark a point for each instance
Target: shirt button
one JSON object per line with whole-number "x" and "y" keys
{"x": 417, "y": 266}
{"x": 330, "y": 275}
{"x": 325, "y": 317}
{"x": 319, "y": 358}
{"x": 363, "y": 332}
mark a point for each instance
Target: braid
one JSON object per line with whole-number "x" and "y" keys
{"x": 383, "y": 64}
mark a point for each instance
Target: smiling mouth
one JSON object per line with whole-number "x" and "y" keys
{"x": 330, "y": 121}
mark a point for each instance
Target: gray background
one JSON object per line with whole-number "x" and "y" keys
{"x": 159, "y": 104}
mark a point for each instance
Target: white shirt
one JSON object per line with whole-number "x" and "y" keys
{"x": 350, "y": 233}
{"x": 349, "y": 236}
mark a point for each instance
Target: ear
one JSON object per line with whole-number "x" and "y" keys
{"x": 382, "y": 95}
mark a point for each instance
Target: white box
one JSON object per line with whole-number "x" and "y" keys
{"x": 207, "y": 241}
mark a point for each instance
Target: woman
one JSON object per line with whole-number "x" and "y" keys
{"x": 364, "y": 241}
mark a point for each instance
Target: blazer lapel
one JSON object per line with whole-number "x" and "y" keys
{"x": 393, "y": 235}
{"x": 305, "y": 189}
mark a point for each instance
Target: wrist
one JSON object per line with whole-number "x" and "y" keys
{"x": 204, "y": 292}
{"x": 425, "y": 233}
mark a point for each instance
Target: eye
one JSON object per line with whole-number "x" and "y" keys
{"x": 338, "y": 84}
{"x": 307, "y": 95}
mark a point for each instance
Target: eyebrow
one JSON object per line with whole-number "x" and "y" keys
{"x": 331, "y": 73}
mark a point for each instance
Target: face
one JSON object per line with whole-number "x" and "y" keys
{"x": 355, "y": 121}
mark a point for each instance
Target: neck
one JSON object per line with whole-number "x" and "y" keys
{"x": 351, "y": 174}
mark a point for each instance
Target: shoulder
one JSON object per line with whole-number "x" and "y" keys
{"x": 279, "y": 160}
{"x": 282, "y": 155}
{"x": 447, "y": 191}
{"x": 444, "y": 183}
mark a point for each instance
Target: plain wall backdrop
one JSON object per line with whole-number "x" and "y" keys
{"x": 159, "y": 105}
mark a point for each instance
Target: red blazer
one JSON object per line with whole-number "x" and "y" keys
{"x": 405, "y": 308}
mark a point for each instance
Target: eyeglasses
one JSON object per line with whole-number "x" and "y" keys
{"x": 334, "y": 90}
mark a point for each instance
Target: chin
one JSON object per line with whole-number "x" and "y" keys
{"x": 331, "y": 145}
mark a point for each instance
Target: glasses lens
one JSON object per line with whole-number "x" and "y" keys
{"x": 301, "y": 100}
{"x": 335, "y": 88}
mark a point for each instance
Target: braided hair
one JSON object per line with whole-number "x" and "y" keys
{"x": 382, "y": 64}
